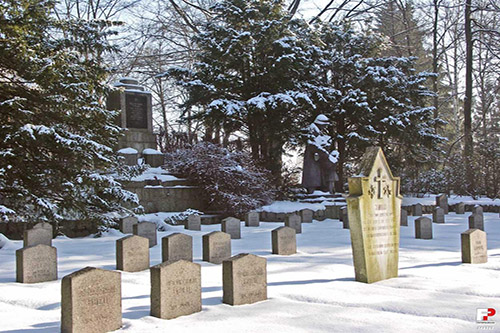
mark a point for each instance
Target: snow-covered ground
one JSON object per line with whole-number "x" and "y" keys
{"x": 312, "y": 291}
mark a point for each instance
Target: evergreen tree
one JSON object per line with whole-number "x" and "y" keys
{"x": 373, "y": 100}
{"x": 55, "y": 131}
{"x": 254, "y": 68}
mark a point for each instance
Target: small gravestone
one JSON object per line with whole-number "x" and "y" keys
{"x": 329, "y": 211}
{"x": 37, "y": 236}
{"x": 132, "y": 253}
{"x": 147, "y": 230}
{"x": 306, "y": 215}
{"x": 320, "y": 215}
{"x": 438, "y": 215}
{"x": 476, "y": 221}
{"x": 460, "y": 208}
{"x": 216, "y": 247}
{"x": 36, "y": 263}
{"x": 442, "y": 201}
{"x": 44, "y": 225}
{"x": 474, "y": 248}
{"x": 193, "y": 222}
{"x": 423, "y": 228}
{"x": 244, "y": 279}
{"x": 127, "y": 224}
{"x": 284, "y": 241}
{"x": 231, "y": 226}
{"x": 252, "y": 219}
{"x": 374, "y": 206}
{"x": 404, "y": 218}
{"x": 294, "y": 221}
{"x": 345, "y": 217}
{"x": 177, "y": 246}
{"x": 91, "y": 301}
{"x": 175, "y": 289}
{"x": 417, "y": 210}
{"x": 477, "y": 210}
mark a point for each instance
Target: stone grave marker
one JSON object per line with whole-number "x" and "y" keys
{"x": 307, "y": 215}
{"x": 423, "y": 228}
{"x": 147, "y": 230}
{"x": 37, "y": 236}
{"x": 44, "y": 225}
{"x": 477, "y": 210}
{"x": 438, "y": 215}
{"x": 294, "y": 221}
{"x": 345, "y": 217}
{"x": 404, "y": 218}
{"x": 320, "y": 215}
{"x": 175, "y": 289}
{"x": 132, "y": 253}
{"x": 442, "y": 201}
{"x": 284, "y": 241}
{"x": 474, "y": 248}
{"x": 244, "y": 279}
{"x": 374, "y": 206}
{"x": 177, "y": 246}
{"x": 91, "y": 301}
{"x": 476, "y": 221}
{"x": 417, "y": 209}
{"x": 36, "y": 263}
{"x": 216, "y": 247}
{"x": 193, "y": 222}
{"x": 127, "y": 224}
{"x": 460, "y": 208}
{"x": 231, "y": 226}
{"x": 329, "y": 211}
{"x": 252, "y": 219}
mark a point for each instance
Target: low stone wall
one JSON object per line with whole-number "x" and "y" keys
{"x": 170, "y": 198}
{"x": 428, "y": 209}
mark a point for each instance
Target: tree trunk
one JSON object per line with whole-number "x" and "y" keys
{"x": 341, "y": 147}
{"x": 468, "y": 142}
{"x": 435, "y": 60}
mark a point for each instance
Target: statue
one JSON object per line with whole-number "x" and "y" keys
{"x": 319, "y": 162}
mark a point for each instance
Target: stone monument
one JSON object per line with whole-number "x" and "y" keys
{"x": 91, "y": 301}
{"x": 294, "y": 221}
{"x": 284, "y": 241}
{"x": 442, "y": 201}
{"x": 132, "y": 253}
{"x": 438, "y": 215}
{"x": 404, "y": 218}
{"x": 36, "y": 263}
{"x": 374, "y": 205}
{"x": 147, "y": 230}
{"x": 460, "y": 208}
{"x": 127, "y": 224}
{"x": 244, "y": 279}
{"x": 232, "y": 226}
{"x": 423, "y": 228}
{"x": 307, "y": 215}
{"x": 193, "y": 222}
{"x": 320, "y": 160}
{"x": 474, "y": 248}
{"x": 252, "y": 219}
{"x": 216, "y": 247}
{"x": 37, "y": 236}
{"x": 177, "y": 246}
{"x": 136, "y": 114}
{"x": 175, "y": 289}
{"x": 476, "y": 221}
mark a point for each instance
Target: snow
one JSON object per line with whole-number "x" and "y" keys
{"x": 154, "y": 173}
{"x": 127, "y": 151}
{"x": 149, "y": 151}
{"x": 312, "y": 291}
{"x": 430, "y": 199}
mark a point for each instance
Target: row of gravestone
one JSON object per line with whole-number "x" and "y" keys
{"x": 476, "y": 219}
{"x": 91, "y": 298}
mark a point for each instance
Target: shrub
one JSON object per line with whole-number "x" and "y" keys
{"x": 232, "y": 182}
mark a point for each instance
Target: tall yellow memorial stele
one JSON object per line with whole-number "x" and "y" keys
{"x": 374, "y": 208}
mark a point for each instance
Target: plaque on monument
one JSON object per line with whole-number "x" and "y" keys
{"x": 136, "y": 106}
{"x": 374, "y": 205}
